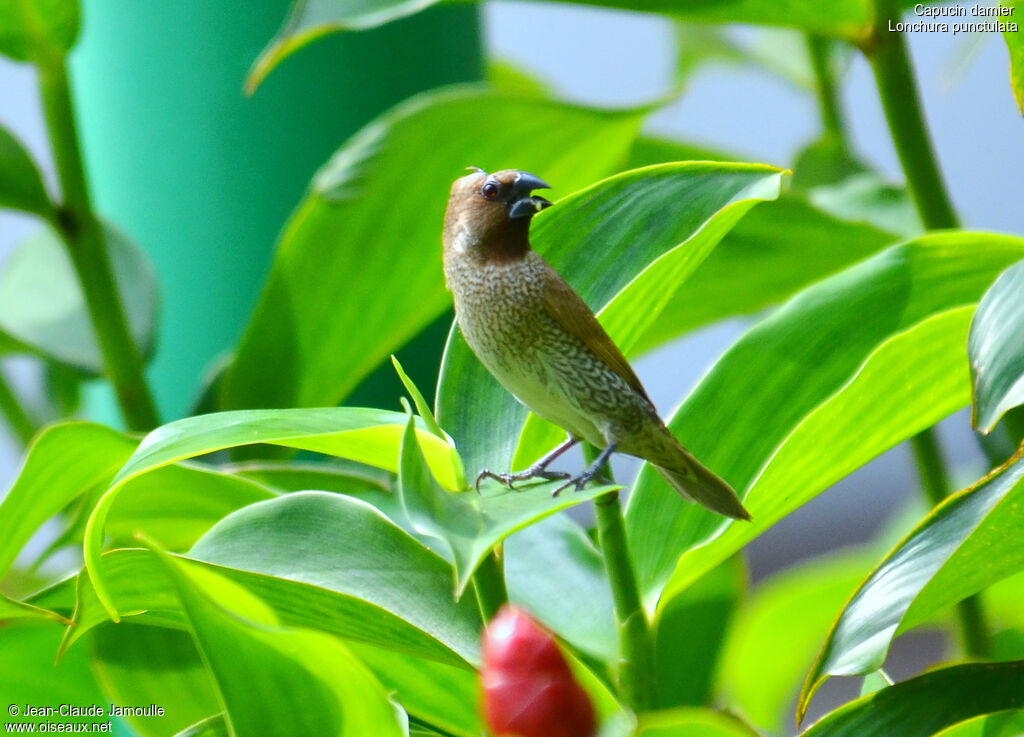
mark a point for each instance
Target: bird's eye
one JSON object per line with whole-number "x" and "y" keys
{"x": 490, "y": 190}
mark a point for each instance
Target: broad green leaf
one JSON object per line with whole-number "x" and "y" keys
{"x": 767, "y": 256}
{"x": 139, "y": 665}
{"x": 962, "y": 546}
{"x": 997, "y": 351}
{"x": 650, "y": 227}
{"x": 274, "y": 680}
{"x": 927, "y": 704}
{"x": 311, "y": 19}
{"x": 358, "y": 268}
{"x": 1001, "y": 724}
{"x": 30, "y": 30}
{"x": 472, "y": 524}
{"x": 30, "y": 676}
{"x": 21, "y": 185}
{"x": 373, "y": 563}
{"x": 778, "y": 632}
{"x": 42, "y": 307}
{"x": 846, "y": 369}
{"x": 868, "y": 199}
{"x": 690, "y": 635}
{"x": 77, "y": 459}
{"x": 691, "y": 722}
{"x": 365, "y": 435}
{"x": 553, "y": 569}
{"x": 825, "y": 161}
{"x": 442, "y": 695}
{"x": 1015, "y": 45}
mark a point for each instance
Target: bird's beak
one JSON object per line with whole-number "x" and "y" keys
{"x": 523, "y": 204}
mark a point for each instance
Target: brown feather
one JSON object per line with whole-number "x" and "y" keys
{"x": 569, "y": 310}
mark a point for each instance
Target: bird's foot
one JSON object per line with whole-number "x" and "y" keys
{"x": 509, "y": 479}
{"x": 580, "y": 480}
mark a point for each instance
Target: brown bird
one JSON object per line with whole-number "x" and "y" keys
{"x": 541, "y": 342}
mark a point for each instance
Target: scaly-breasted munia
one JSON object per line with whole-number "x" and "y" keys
{"x": 544, "y": 345}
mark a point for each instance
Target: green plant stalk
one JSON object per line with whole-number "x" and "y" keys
{"x": 13, "y": 411}
{"x": 897, "y": 88}
{"x": 83, "y": 235}
{"x": 489, "y": 584}
{"x": 636, "y": 667}
{"x": 826, "y": 90}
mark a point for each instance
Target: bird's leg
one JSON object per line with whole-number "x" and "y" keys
{"x": 537, "y": 470}
{"x": 592, "y": 471}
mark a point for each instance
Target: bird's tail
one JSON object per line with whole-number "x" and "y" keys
{"x": 699, "y": 483}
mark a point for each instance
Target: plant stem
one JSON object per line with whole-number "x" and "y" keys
{"x": 13, "y": 411}
{"x": 897, "y": 88}
{"x": 636, "y": 644}
{"x": 818, "y": 48}
{"x": 87, "y": 248}
{"x": 489, "y": 584}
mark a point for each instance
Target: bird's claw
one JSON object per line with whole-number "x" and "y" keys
{"x": 509, "y": 479}
{"x": 579, "y": 481}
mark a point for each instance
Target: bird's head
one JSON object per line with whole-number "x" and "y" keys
{"x": 490, "y": 213}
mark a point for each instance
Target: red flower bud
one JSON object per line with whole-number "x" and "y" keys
{"x": 528, "y": 688}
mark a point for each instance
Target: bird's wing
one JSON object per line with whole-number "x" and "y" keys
{"x": 570, "y": 311}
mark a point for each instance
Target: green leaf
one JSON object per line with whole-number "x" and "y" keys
{"x": 553, "y": 569}
{"x": 472, "y": 524}
{"x": 311, "y": 19}
{"x": 996, "y": 350}
{"x": 767, "y": 256}
{"x": 30, "y": 676}
{"x": 140, "y": 665}
{"x": 422, "y": 408}
{"x": 274, "y": 680}
{"x": 927, "y": 704}
{"x": 691, "y": 722}
{"x": 366, "y": 435}
{"x": 21, "y": 185}
{"x": 334, "y": 307}
{"x": 375, "y": 564}
{"x": 962, "y": 546}
{"x": 843, "y": 371}
{"x": 374, "y": 584}
{"x": 826, "y": 160}
{"x": 31, "y": 29}
{"x": 655, "y": 225}
{"x": 778, "y": 632}
{"x": 63, "y": 462}
{"x": 868, "y": 199}
{"x": 42, "y": 307}
{"x": 210, "y": 727}
{"x": 691, "y": 633}
{"x": 1015, "y": 45}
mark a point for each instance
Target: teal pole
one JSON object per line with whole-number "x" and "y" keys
{"x": 203, "y": 177}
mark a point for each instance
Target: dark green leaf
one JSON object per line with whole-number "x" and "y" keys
{"x": 553, "y": 569}
{"x": 43, "y": 309}
{"x": 846, "y": 369}
{"x": 996, "y": 349}
{"x": 655, "y": 225}
{"x": 970, "y": 541}
{"x": 691, "y": 633}
{"x": 32, "y": 29}
{"x": 334, "y": 307}
{"x": 927, "y": 704}
{"x": 472, "y": 524}
{"x": 21, "y": 185}
{"x": 274, "y": 680}
{"x": 825, "y": 161}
